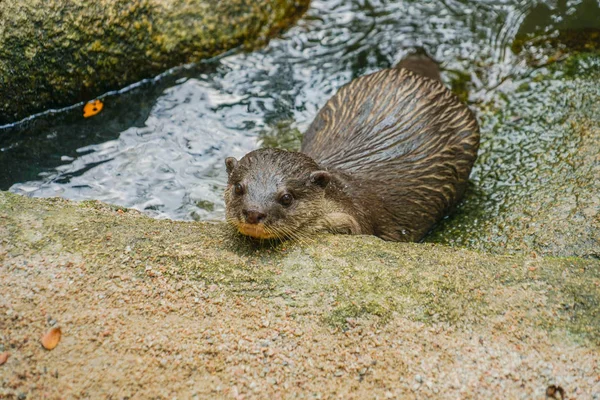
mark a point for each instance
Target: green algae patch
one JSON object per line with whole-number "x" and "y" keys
{"x": 57, "y": 53}
{"x": 335, "y": 278}
{"x": 281, "y": 135}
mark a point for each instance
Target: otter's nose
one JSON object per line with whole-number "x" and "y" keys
{"x": 253, "y": 217}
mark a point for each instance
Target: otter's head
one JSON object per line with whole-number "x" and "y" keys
{"x": 274, "y": 193}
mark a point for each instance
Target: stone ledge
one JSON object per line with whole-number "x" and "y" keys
{"x": 143, "y": 303}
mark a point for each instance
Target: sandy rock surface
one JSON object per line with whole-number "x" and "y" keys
{"x": 164, "y": 309}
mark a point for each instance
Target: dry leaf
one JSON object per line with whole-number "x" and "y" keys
{"x": 92, "y": 108}
{"x": 4, "y": 357}
{"x": 51, "y": 338}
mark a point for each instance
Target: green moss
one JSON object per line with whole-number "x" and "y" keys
{"x": 281, "y": 135}
{"x": 334, "y": 278}
{"x": 341, "y": 315}
{"x": 205, "y": 205}
{"x": 459, "y": 84}
{"x": 534, "y": 185}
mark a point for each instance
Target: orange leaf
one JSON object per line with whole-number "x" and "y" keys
{"x": 92, "y": 108}
{"x": 51, "y": 338}
{"x": 4, "y": 357}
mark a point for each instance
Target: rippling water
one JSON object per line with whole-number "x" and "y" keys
{"x": 160, "y": 148}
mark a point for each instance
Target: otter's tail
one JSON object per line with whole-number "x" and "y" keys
{"x": 421, "y": 63}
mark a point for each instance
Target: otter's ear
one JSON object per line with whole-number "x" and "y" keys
{"x": 230, "y": 164}
{"x": 320, "y": 178}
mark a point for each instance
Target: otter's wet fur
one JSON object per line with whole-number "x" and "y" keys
{"x": 388, "y": 155}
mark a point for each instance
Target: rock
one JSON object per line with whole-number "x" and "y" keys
{"x": 56, "y": 53}
{"x": 366, "y": 276}
{"x": 390, "y": 292}
{"x": 537, "y": 178}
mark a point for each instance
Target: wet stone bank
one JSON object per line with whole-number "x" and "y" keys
{"x": 166, "y": 308}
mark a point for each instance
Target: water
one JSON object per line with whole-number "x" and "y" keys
{"x": 160, "y": 148}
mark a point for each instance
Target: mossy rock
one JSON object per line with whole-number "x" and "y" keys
{"x": 144, "y": 302}
{"x": 536, "y": 181}
{"x": 57, "y": 53}
{"x": 360, "y": 276}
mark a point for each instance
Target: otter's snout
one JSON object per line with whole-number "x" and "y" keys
{"x": 253, "y": 216}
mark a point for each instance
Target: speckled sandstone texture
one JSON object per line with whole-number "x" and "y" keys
{"x": 55, "y": 53}
{"x": 164, "y": 309}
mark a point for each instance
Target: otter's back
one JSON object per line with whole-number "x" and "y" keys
{"x": 403, "y": 130}
{"x": 393, "y": 117}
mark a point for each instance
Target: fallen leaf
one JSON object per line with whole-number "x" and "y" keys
{"x": 51, "y": 338}
{"x": 92, "y": 108}
{"x": 4, "y": 357}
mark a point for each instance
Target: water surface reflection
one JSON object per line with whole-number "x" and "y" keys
{"x": 161, "y": 148}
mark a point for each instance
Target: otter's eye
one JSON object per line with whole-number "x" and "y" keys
{"x": 286, "y": 199}
{"x": 238, "y": 189}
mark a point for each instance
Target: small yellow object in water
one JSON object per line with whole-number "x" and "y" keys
{"x": 92, "y": 108}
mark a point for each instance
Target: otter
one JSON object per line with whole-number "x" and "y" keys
{"x": 388, "y": 155}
